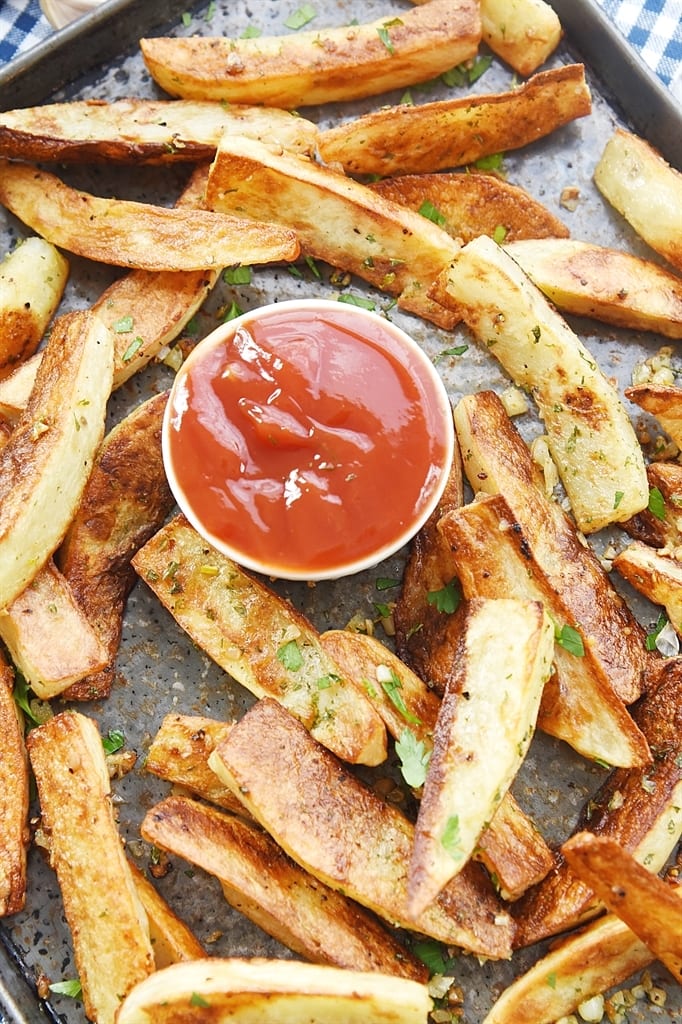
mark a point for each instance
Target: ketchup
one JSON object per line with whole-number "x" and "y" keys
{"x": 305, "y": 439}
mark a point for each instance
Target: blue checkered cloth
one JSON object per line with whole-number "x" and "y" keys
{"x": 652, "y": 27}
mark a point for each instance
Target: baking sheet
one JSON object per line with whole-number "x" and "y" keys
{"x": 159, "y": 670}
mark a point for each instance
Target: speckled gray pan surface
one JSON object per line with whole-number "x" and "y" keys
{"x": 159, "y": 669}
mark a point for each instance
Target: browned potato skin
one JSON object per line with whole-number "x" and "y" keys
{"x": 452, "y": 133}
{"x": 624, "y": 809}
{"x": 512, "y": 849}
{"x": 656, "y": 575}
{"x": 474, "y": 204}
{"x": 662, "y": 401}
{"x": 344, "y": 834}
{"x": 648, "y": 528}
{"x": 14, "y": 834}
{"x": 321, "y": 65}
{"x": 125, "y": 501}
{"x": 259, "y": 880}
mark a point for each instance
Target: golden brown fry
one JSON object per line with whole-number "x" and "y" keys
{"x": 657, "y": 576}
{"x": 474, "y": 204}
{"x": 648, "y": 906}
{"x": 343, "y": 833}
{"x": 259, "y": 880}
{"x": 108, "y": 925}
{"x": 126, "y": 499}
{"x": 143, "y": 131}
{"x": 171, "y": 939}
{"x": 452, "y": 133}
{"x": 129, "y": 234}
{"x": 662, "y": 401}
{"x": 523, "y": 33}
{"x": 14, "y": 834}
{"x": 320, "y": 65}
{"x": 337, "y": 220}
{"x": 513, "y": 850}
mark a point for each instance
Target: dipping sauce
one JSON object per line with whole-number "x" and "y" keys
{"x": 308, "y": 439}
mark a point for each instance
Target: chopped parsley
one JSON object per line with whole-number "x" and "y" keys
{"x": 357, "y": 300}
{"x": 653, "y": 636}
{"x": 447, "y": 599}
{"x": 290, "y": 656}
{"x": 113, "y": 741}
{"x": 301, "y": 17}
{"x": 237, "y": 275}
{"x": 656, "y": 503}
{"x": 386, "y": 583}
{"x": 71, "y": 988}
{"x": 432, "y": 213}
{"x": 414, "y": 758}
{"x": 392, "y": 686}
{"x": 198, "y": 1000}
{"x": 451, "y": 840}
{"x": 570, "y": 639}
{"x": 123, "y": 325}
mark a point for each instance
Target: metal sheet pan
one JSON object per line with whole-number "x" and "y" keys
{"x": 158, "y": 668}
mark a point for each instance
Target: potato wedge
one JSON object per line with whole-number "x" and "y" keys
{"x": 108, "y": 925}
{"x": 47, "y": 460}
{"x": 497, "y": 461}
{"x": 336, "y": 219}
{"x": 49, "y": 637}
{"x": 523, "y": 33}
{"x": 171, "y": 939}
{"x": 473, "y": 205}
{"x": 125, "y": 500}
{"x": 32, "y": 281}
{"x": 245, "y": 991}
{"x": 443, "y": 134}
{"x": 665, "y": 532}
{"x": 638, "y": 182}
{"x": 14, "y": 834}
{"x": 649, "y": 907}
{"x": 513, "y": 851}
{"x": 655, "y": 575}
{"x": 129, "y": 234}
{"x": 590, "y": 436}
{"x": 259, "y": 880}
{"x": 641, "y": 808}
{"x": 662, "y": 401}
{"x": 494, "y": 555}
{"x": 254, "y": 634}
{"x": 484, "y": 728}
{"x": 606, "y": 284}
{"x": 319, "y": 65}
{"x": 339, "y": 830}
{"x": 143, "y": 131}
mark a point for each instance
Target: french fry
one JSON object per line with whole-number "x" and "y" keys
{"x": 130, "y": 234}
{"x": 14, "y": 835}
{"x": 245, "y": 628}
{"x": 590, "y": 436}
{"x": 336, "y": 219}
{"x": 649, "y": 907}
{"x": 125, "y": 500}
{"x": 655, "y": 575}
{"x": 320, "y": 65}
{"x": 469, "y": 205}
{"x": 171, "y": 939}
{"x": 32, "y": 281}
{"x": 638, "y": 182}
{"x": 48, "y": 458}
{"x": 662, "y": 401}
{"x": 108, "y": 925}
{"x": 339, "y": 830}
{"x": 607, "y": 284}
{"x": 444, "y": 134}
{"x": 663, "y": 530}
{"x": 143, "y": 131}
{"x": 494, "y": 555}
{"x": 258, "y": 879}
{"x": 484, "y": 728}
{"x": 523, "y": 34}
{"x": 641, "y": 808}
{"x": 242, "y": 991}
{"x": 513, "y": 851}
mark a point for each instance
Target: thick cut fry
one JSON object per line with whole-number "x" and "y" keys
{"x": 250, "y": 631}
{"x": 646, "y": 190}
{"x": 590, "y": 436}
{"x": 473, "y": 205}
{"x": 259, "y": 880}
{"x": 453, "y": 133}
{"x": 336, "y": 219}
{"x": 108, "y": 925}
{"x": 657, "y": 531}
{"x": 513, "y": 850}
{"x": 246, "y": 991}
{"x": 643, "y": 901}
{"x": 320, "y": 65}
{"x": 47, "y": 460}
{"x": 129, "y": 234}
{"x": 656, "y": 576}
{"x": 126, "y": 499}
{"x": 143, "y": 131}
{"x": 14, "y": 835}
{"x": 522, "y": 32}
{"x": 609, "y": 285}
{"x": 641, "y": 808}
{"x": 49, "y": 637}
{"x": 343, "y": 833}
{"x": 171, "y": 939}
{"x": 662, "y": 401}
{"x": 495, "y": 556}
{"x": 32, "y": 280}
{"x": 497, "y": 461}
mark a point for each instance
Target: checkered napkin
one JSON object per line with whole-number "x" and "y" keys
{"x": 22, "y": 25}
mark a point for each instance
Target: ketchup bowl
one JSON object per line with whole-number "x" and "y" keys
{"x": 308, "y": 439}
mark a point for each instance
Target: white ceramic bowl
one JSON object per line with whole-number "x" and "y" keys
{"x": 308, "y": 439}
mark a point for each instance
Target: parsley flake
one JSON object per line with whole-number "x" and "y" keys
{"x": 656, "y": 503}
{"x": 432, "y": 213}
{"x": 447, "y": 599}
{"x": 237, "y": 275}
{"x": 570, "y": 639}
{"x": 123, "y": 325}
{"x": 451, "y": 840}
{"x": 198, "y": 1000}
{"x": 357, "y": 300}
{"x": 301, "y": 17}
{"x": 71, "y": 988}
{"x": 290, "y": 656}
{"x": 414, "y": 758}
{"x": 113, "y": 741}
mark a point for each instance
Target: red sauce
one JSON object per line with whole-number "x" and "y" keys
{"x": 306, "y": 439}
